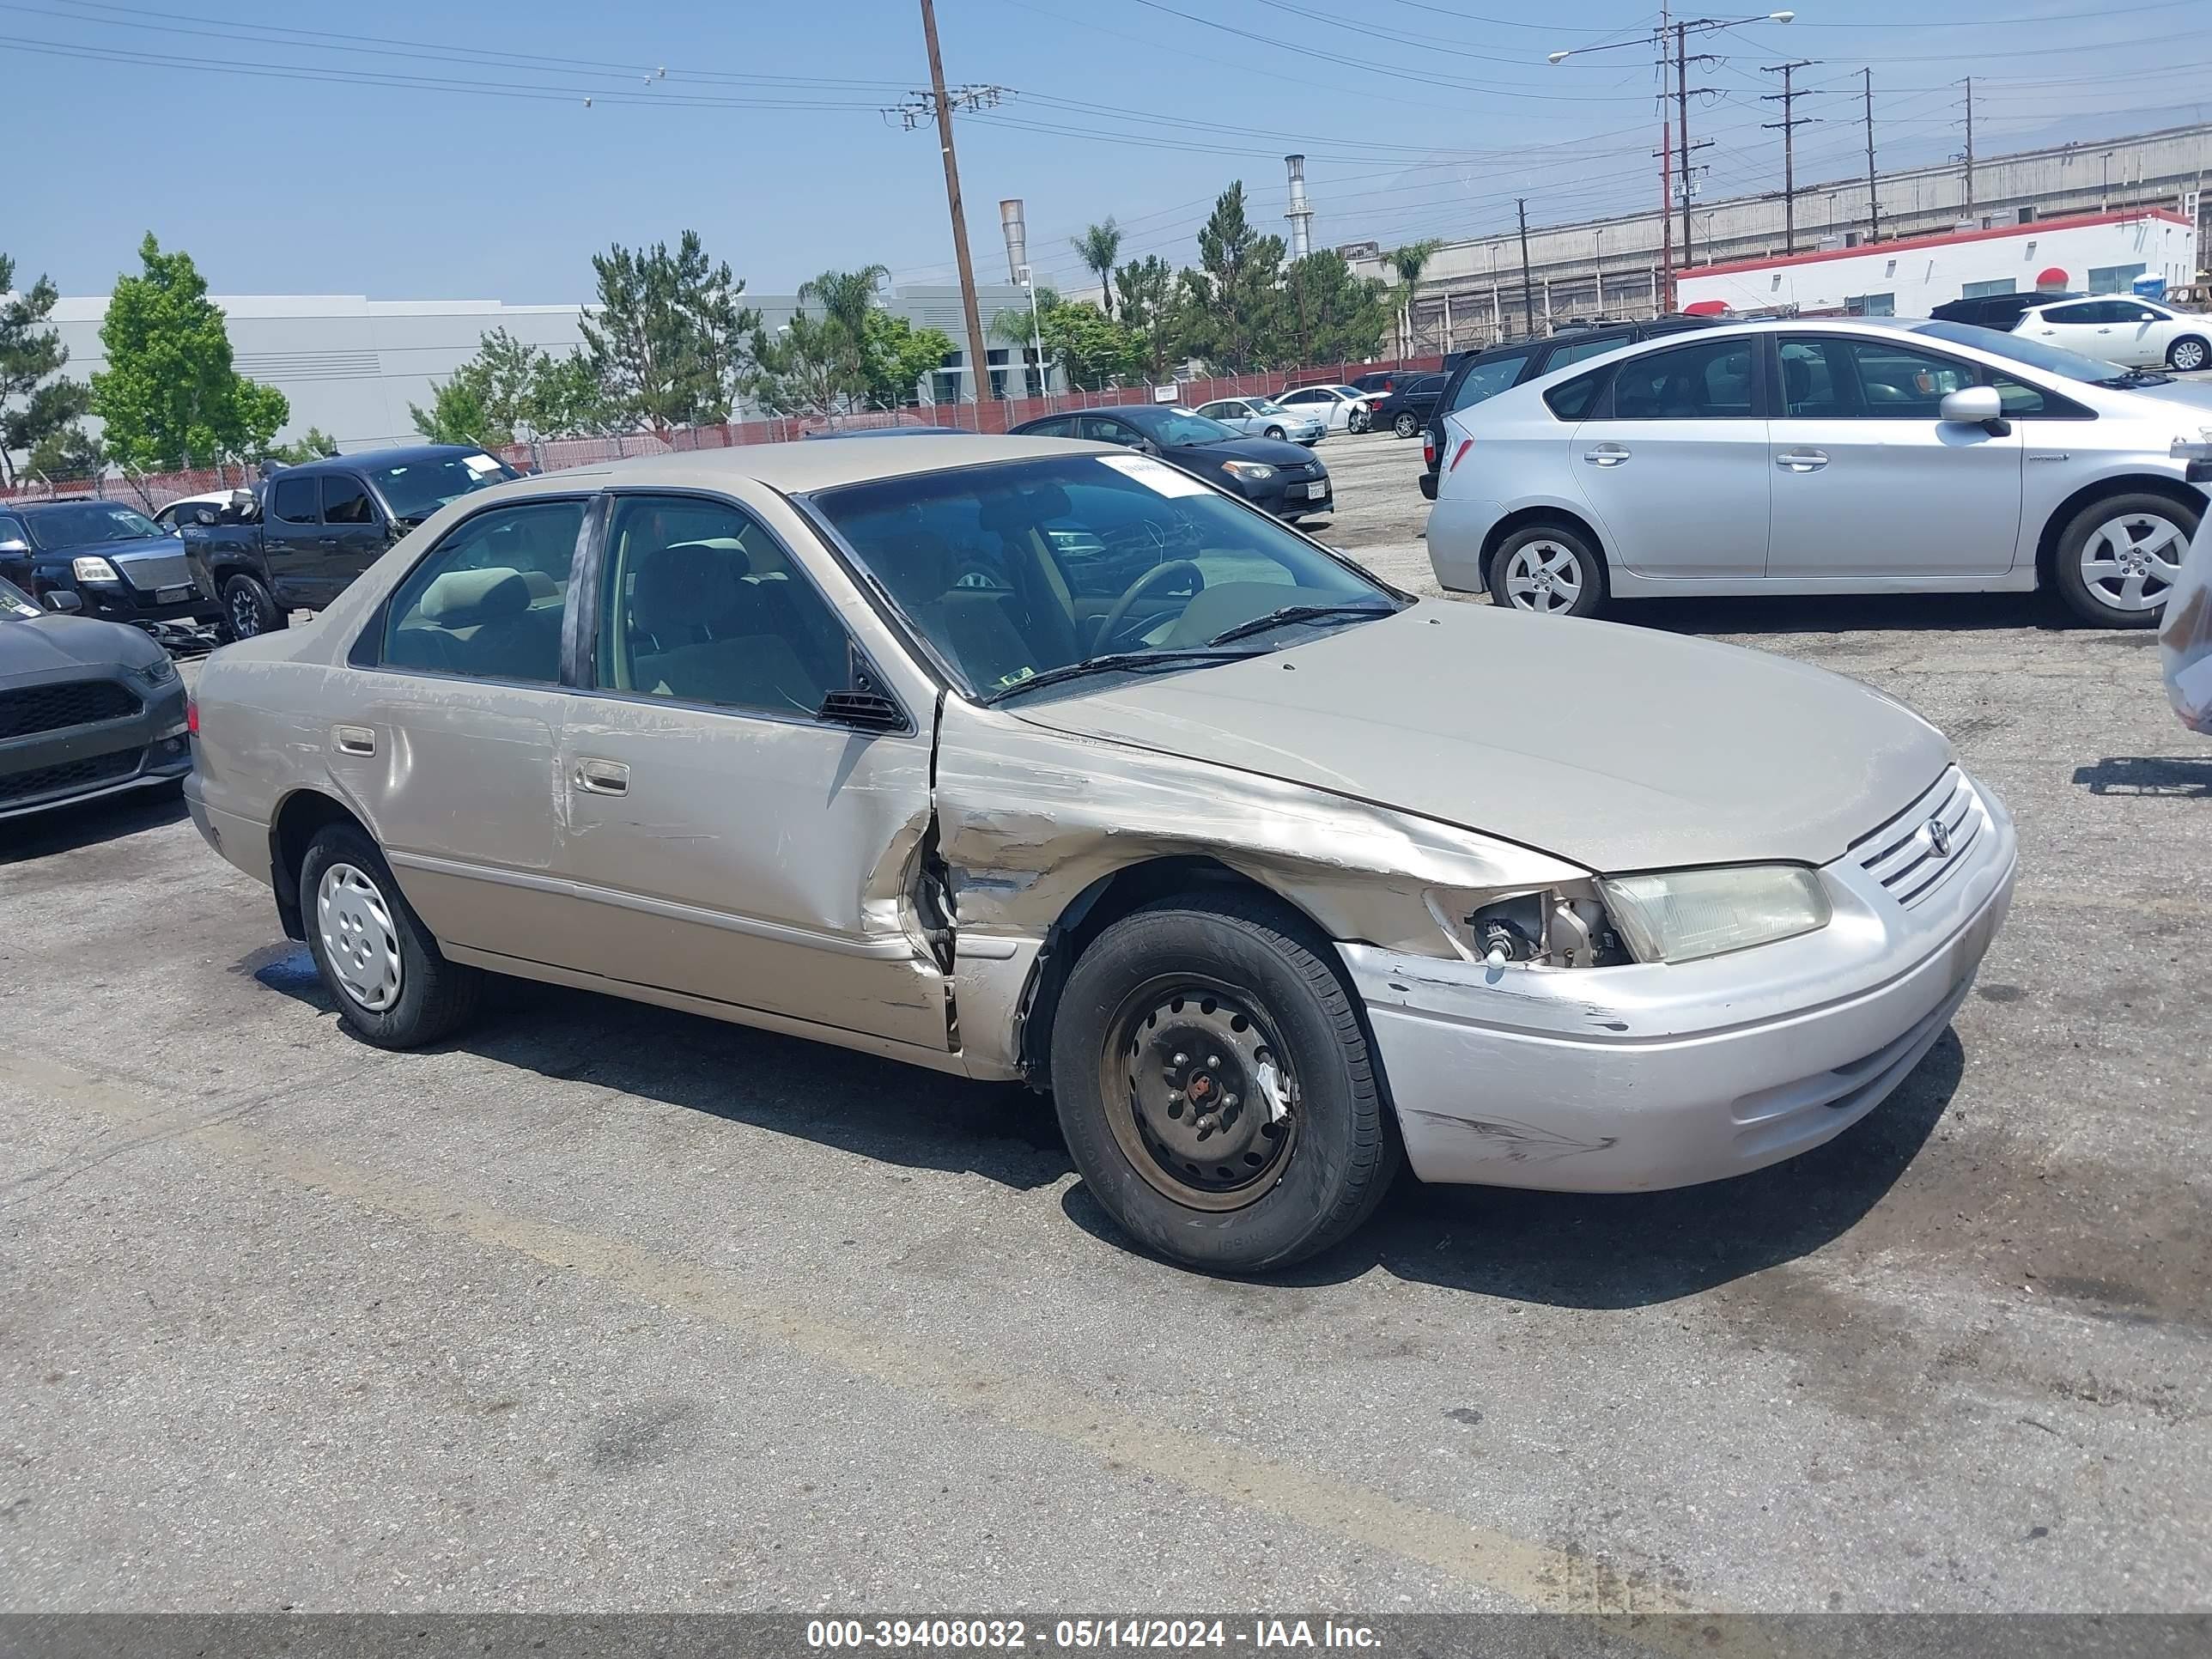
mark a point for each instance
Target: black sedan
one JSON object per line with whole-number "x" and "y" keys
{"x": 1407, "y": 408}
{"x": 118, "y": 563}
{"x": 1273, "y": 474}
{"x": 87, "y": 709}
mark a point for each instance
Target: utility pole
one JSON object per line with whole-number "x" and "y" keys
{"x": 1528, "y": 289}
{"x": 1682, "y": 90}
{"x": 1970, "y": 147}
{"x": 1666, "y": 165}
{"x": 1874, "y": 208}
{"x": 1788, "y": 125}
{"x": 979, "y": 359}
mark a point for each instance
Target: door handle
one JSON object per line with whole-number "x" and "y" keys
{"x": 1802, "y": 460}
{"x": 354, "y": 739}
{"x": 326, "y": 541}
{"x": 602, "y": 777}
{"x": 1606, "y": 454}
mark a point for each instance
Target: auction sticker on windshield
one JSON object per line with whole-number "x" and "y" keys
{"x": 480, "y": 465}
{"x": 1155, "y": 476}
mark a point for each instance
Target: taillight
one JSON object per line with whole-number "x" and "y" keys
{"x": 1460, "y": 454}
{"x": 192, "y": 715}
{"x": 1429, "y": 450}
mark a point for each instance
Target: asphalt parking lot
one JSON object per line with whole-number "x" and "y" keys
{"x": 607, "y": 1307}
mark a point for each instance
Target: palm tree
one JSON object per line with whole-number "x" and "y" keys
{"x": 1098, "y": 247}
{"x": 846, "y": 298}
{"x": 1408, "y": 262}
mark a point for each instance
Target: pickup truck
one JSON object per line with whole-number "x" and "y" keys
{"x": 296, "y": 542}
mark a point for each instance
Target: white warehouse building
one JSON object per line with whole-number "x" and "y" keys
{"x": 2094, "y": 253}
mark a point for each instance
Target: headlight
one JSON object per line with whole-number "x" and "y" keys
{"x": 1683, "y": 915}
{"x": 158, "y": 672}
{"x": 1250, "y": 471}
{"x": 91, "y": 567}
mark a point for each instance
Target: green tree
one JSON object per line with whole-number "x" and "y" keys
{"x": 457, "y": 414}
{"x": 566, "y": 398}
{"x": 898, "y": 355}
{"x": 667, "y": 339}
{"x": 1098, "y": 247}
{"x": 804, "y": 370}
{"x": 1408, "y": 261}
{"x": 1331, "y": 315}
{"x": 847, "y": 298}
{"x": 68, "y": 452}
{"x": 35, "y": 404}
{"x": 1234, "y": 308}
{"x": 1016, "y": 327}
{"x": 513, "y": 389}
{"x": 313, "y": 444}
{"x": 1151, "y": 312}
{"x": 169, "y": 396}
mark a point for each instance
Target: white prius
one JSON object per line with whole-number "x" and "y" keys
{"x": 1825, "y": 457}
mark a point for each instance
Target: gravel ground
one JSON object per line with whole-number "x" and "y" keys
{"x": 603, "y": 1307}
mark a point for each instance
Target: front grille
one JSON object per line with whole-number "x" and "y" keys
{"x": 150, "y": 572}
{"x": 54, "y": 707}
{"x": 75, "y": 774}
{"x": 1304, "y": 470}
{"x": 1902, "y": 855}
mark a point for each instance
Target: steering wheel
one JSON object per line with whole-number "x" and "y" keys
{"x": 1135, "y": 591}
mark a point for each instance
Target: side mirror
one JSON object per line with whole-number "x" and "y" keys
{"x": 1975, "y": 405}
{"x": 204, "y": 515}
{"x": 14, "y": 545}
{"x": 63, "y": 599}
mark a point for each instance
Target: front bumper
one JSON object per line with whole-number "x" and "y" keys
{"x": 83, "y": 763}
{"x": 1630, "y": 1079}
{"x": 111, "y": 603}
{"x": 1291, "y": 498}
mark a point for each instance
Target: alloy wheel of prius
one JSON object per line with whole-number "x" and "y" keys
{"x": 1211, "y": 1076}
{"x": 2189, "y": 352}
{"x": 1405, "y": 425}
{"x": 391, "y": 985}
{"x": 1547, "y": 571}
{"x": 2120, "y": 557}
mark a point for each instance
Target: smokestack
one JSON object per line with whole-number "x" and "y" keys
{"x": 1301, "y": 213}
{"x": 1018, "y": 237}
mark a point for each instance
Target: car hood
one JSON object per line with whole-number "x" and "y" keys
{"x": 2197, "y": 394}
{"x": 1617, "y": 748}
{"x": 1276, "y": 451}
{"x": 33, "y": 648}
{"x": 121, "y": 553}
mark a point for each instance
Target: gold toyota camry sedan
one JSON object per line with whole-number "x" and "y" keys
{"x": 1019, "y": 758}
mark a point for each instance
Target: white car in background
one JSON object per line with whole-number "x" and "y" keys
{"x": 1260, "y": 417}
{"x": 1825, "y": 457}
{"x": 174, "y": 516}
{"x": 2119, "y": 328}
{"x": 1346, "y": 408}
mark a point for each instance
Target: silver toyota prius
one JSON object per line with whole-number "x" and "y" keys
{"x": 1017, "y": 758}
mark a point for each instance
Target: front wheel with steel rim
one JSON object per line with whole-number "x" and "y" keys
{"x": 1547, "y": 570}
{"x": 2119, "y": 558}
{"x": 2187, "y": 353}
{"x": 1212, "y": 1078}
{"x": 391, "y": 985}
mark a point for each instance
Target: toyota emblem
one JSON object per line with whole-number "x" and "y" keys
{"x": 1939, "y": 837}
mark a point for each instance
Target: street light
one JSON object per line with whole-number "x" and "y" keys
{"x": 1036, "y": 333}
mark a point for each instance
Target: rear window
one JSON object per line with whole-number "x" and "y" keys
{"x": 1572, "y": 400}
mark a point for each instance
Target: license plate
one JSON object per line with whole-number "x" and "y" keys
{"x": 1316, "y": 492}
{"x": 173, "y": 595}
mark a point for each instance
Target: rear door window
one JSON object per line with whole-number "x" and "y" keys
{"x": 489, "y": 603}
{"x": 293, "y": 500}
{"x": 1572, "y": 400}
{"x": 1709, "y": 381}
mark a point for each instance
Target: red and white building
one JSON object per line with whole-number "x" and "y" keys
{"x": 2094, "y": 253}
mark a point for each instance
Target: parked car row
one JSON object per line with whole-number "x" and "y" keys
{"x": 2113, "y": 328}
{"x": 1280, "y": 476}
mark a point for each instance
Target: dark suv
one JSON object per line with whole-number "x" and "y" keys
{"x": 2001, "y": 311}
{"x": 1482, "y": 374}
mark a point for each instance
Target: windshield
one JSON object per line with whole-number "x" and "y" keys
{"x": 1013, "y": 570}
{"x": 14, "y": 601}
{"x": 416, "y": 489}
{"x": 1175, "y": 426}
{"x": 2050, "y": 359}
{"x": 82, "y": 524}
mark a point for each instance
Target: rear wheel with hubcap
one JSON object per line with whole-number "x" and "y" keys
{"x": 1405, "y": 425}
{"x": 1547, "y": 570}
{"x": 2119, "y": 558}
{"x": 381, "y": 966}
{"x": 2188, "y": 352}
{"x": 1212, "y": 1078}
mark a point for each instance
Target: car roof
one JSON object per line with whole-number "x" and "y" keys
{"x": 798, "y": 469}
{"x": 32, "y": 509}
{"x": 398, "y": 455}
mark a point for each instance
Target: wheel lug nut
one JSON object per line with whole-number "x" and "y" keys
{"x": 1183, "y": 1060}
{"x": 1213, "y": 1062}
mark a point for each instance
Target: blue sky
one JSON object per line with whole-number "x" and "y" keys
{"x": 299, "y": 172}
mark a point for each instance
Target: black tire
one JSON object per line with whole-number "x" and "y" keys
{"x": 436, "y": 997}
{"x": 1358, "y": 421}
{"x": 1588, "y": 569}
{"x": 248, "y": 610}
{"x": 1274, "y": 432}
{"x": 2074, "y": 584}
{"x": 2190, "y": 352}
{"x": 1405, "y": 425}
{"x": 1339, "y": 1149}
